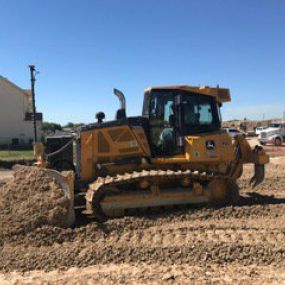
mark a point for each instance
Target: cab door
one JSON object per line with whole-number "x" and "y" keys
{"x": 161, "y": 122}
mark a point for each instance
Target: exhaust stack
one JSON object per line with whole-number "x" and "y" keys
{"x": 121, "y": 113}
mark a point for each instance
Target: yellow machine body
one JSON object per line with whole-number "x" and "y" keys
{"x": 124, "y": 167}
{"x": 131, "y": 173}
{"x": 104, "y": 146}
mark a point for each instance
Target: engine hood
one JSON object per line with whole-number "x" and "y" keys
{"x": 270, "y": 129}
{"x": 269, "y": 132}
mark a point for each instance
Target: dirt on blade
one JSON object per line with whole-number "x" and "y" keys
{"x": 29, "y": 201}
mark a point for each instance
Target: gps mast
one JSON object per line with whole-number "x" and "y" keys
{"x": 33, "y": 79}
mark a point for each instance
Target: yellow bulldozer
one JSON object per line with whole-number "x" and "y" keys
{"x": 175, "y": 153}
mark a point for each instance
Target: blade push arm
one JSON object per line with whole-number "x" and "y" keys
{"x": 257, "y": 156}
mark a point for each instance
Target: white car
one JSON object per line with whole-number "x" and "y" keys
{"x": 234, "y": 132}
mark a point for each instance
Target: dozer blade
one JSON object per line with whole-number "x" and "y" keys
{"x": 65, "y": 180}
{"x": 258, "y": 177}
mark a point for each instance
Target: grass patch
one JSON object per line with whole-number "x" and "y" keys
{"x": 10, "y": 155}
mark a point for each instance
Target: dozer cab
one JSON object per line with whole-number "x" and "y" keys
{"x": 175, "y": 153}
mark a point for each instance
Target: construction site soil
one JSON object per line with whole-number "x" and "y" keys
{"x": 30, "y": 200}
{"x": 241, "y": 244}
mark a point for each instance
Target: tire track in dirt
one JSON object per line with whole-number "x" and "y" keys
{"x": 81, "y": 255}
{"x": 167, "y": 244}
{"x": 181, "y": 237}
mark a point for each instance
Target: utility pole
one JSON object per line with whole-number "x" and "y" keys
{"x": 33, "y": 79}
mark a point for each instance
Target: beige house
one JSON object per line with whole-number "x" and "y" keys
{"x": 16, "y": 125}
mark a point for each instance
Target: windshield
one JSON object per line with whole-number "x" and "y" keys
{"x": 176, "y": 113}
{"x": 275, "y": 125}
{"x": 200, "y": 114}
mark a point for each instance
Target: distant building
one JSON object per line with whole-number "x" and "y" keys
{"x": 16, "y": 125}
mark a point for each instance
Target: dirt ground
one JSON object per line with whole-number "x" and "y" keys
{"x": 241, "y": 244}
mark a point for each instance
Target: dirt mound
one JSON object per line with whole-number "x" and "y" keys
{"x": 30, "y": 200}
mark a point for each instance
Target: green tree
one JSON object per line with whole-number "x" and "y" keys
{"x": 69, "y": 125}
{"x": 49, "y": 127}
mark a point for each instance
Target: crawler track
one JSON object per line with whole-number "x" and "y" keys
{"x": 126, "y": 185}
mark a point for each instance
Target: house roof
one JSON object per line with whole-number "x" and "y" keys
{"x": 26, "y": 92}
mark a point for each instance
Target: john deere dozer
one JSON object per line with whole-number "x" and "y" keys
{"x": 175, "y": 153}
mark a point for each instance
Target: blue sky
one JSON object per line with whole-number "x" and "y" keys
{"x": 85, "y": 48}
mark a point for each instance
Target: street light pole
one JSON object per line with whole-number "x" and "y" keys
{"x": 33, "y": 79}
